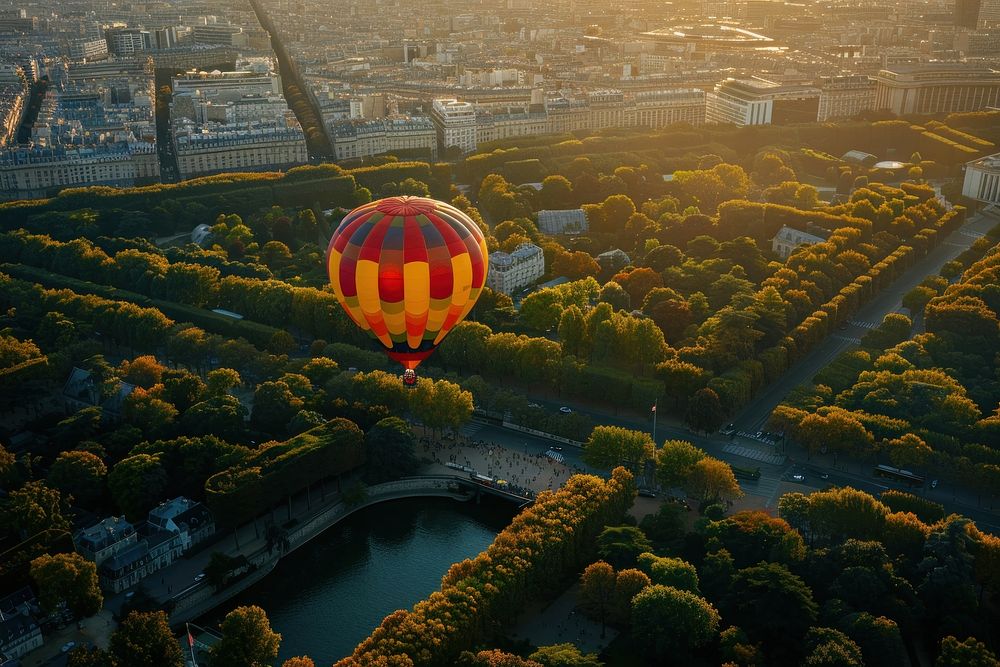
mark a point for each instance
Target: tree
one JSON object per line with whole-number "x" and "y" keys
{"x": 681, "y": 379}
{"x": 772, "y": 605}
{"x": 831, "y": 648}
{"x": 667, "y": 571}
{"x": 705, "y": 412}
{"x": 440, "y": 404}
{"x": 672, "y": 622}
{"x": 247, "y": 640}
{"x": 621, "y": 545}
{"x": 665, "y": 528}
{"x": 557, "y": 192}
{"x": 78, "y": 474}
{"x": 628, "y": 583}
{"x": 755, "y": 536}
{"x": 88, "y": 657}
{"x": 68, "y": 578}
{"x": 638, "y": 283}
{"x": 144, "y": 371}
{"x": 221, "y": 380}
{"x": 144, "y": 639}
{"x": 967, "y": 653}
{"x": 909, "y": 451}
{"x": 495, "y": 658}
{"x": 712, "y": 479}
{"x": 274, "y": 405}
{"x": 299, "y": 661}
{"x": 7, "y": 463}
{"x": 182, "y": 389}
{"x": 390, "y": 450}
{"x": 613, "y": 446}
{"x": 597, "y": 587}
{"x": 34, "y": 508}
{"x": 675, "y": 461}
{"x": 147, "y": 412}
{"x": 137, "y": 483}
{"x": 223, "y": 416}
{"x": 219, "y": 567}
{"x": 615, "y": 295}
{"x": 564, "y": 655}
{"x": 673, "y": 318}
{"x": 878, "y": 637}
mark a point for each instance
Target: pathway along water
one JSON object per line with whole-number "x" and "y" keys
{"x": 327, "y": 596}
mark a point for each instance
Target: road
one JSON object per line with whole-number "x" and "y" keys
{"x": 756, "y": 413}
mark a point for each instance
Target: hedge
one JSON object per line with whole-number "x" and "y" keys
{"x": 280, "y": 469}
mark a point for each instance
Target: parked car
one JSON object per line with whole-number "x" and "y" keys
{"x": 67, "y": 647}
{"x": 565, "y": 410}
{"x": 934, "y": 483}
{"x": 199, "y": 577}
{"x": 799, "y": 478}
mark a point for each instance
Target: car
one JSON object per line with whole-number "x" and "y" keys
{"x": 565, "y": 410}
{"x": 934, "y": 483}
{"x": 130, "y": 595}
{"x": 534, "y": 405}
{"x": 199, "y": 577}
{"x": 799, "y": 478}
{"x": 825, "y": 475}
{"x": 67, "y": 647}
{"x": 556, "y": 448}
{"x": 647, "y": 493}
{"x": 729, "y": 430}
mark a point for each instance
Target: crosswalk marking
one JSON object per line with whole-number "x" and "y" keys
{"x": 471, "y": 428}
{"x": 863, "y": 325}
{"x": 972, "y": 234}
{"x": 849, "y": 339}
{"x": 755, "y": 454}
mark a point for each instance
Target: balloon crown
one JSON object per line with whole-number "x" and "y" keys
{"x": 406, "y": 205}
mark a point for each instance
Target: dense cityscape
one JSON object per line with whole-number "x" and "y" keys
{"x": 500, "y": 333}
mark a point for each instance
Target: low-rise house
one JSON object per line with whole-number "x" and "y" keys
{"x": 19, "y": 634}
{"x": 613, "y": 260}
{"x": 182, "y": 516}
{"x": 105, "y": 539}
{"x": 172, "y": 528}
{"x": 83, "y": 391}
{"x": 789, "y": 238}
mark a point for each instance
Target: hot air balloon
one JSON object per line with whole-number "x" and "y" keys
{"x": 407, "y": 270}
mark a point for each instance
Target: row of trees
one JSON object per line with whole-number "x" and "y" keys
{"x": 922, "y": 403}
{"x": 529, "y": 558}
{"x": 839, "y": 578}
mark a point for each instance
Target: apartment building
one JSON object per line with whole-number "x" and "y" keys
{"x": 845, "y": 96}
{"x": 511, "y": 271}
{"x": 455, "y": 123}
{"x": 363, "y": 138}
{"x": 929, "y": 88}
{"x": 982, "y": 179}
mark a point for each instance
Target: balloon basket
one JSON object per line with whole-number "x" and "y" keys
{"x": 409, "y": 378}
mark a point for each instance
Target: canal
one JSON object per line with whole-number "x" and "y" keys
{"x": 330, "y": 594}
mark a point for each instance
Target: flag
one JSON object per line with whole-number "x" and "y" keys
{"x": 190, "y": 637}
{"x": 654, "y": 407}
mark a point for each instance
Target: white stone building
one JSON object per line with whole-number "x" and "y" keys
{"x": 982, "y": 179}
{"x": 455, "y": 123}
{"x": 511, "y": 271}
{"x": 788, "y": 239}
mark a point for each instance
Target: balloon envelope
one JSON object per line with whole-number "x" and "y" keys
{"x": 407, "y": 270}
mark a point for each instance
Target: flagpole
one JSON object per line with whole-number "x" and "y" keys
{"x": 191, "y": 644}
{"x": 654, "y": 420}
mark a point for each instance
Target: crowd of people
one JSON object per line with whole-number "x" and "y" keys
{"x": 520, "y": 470}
